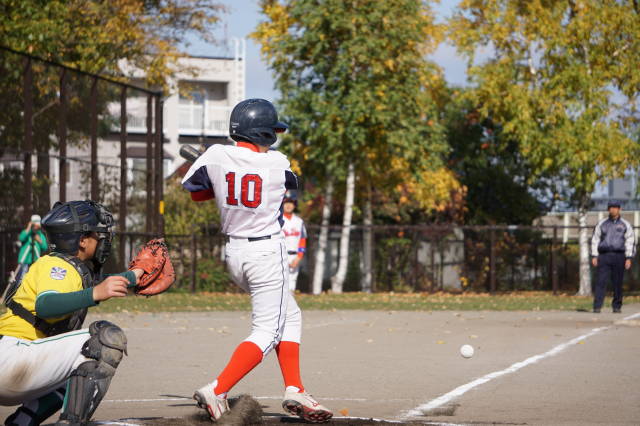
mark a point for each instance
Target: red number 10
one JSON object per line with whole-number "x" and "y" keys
{"x": 252, "y": 203}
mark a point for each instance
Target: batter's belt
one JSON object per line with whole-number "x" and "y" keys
{"x": 251, "y": 239}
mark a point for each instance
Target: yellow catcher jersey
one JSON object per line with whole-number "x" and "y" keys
{"x": 47, "y": 274}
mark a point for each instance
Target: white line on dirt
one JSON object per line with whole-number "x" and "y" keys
{"x": 120, "y": 401}
{"x": 460, "y": 390}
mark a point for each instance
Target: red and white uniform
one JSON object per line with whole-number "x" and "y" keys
{"x": 295, "y": 237}
{"x": 249, "y": 188}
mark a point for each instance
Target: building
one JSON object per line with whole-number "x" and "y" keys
{"x": 624, "y": 190}
{"x": 195, "y": 111}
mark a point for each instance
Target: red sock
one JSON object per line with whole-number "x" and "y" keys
{"x": 245, "y": 358}
{"x": 289, "y": 359}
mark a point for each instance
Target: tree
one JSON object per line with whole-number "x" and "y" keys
{"x": 183, "y": 216}
{"x": 357, "y": 88}
{"x": 498, "y": 179}
{"x": 101, "y": 37}
{"x": 95, "y": 36}
{"x": 563, "y": 80}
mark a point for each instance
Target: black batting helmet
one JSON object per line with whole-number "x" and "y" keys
{"x": 256, "y": 121}
{"x": 67, "y": 222}
{"x": 291, "y": 196}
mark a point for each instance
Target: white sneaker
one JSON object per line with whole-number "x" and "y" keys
{"x": 207, "y": 400}
{"x": 303, "y": 405}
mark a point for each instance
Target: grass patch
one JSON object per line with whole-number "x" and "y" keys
{"x": 520, "y": 301}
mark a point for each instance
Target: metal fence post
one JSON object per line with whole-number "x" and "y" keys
{"x": 149, "y": 174}
{"x": 122, "y": 214}
{"x": 62, "y": 137}
{"x": 554, "y": 261}
{"x": 28, "y": 137}
{"x": 158, "y": 173}
{"x": 492, "y": 262}
{"x": 95, "y": 185}
{"x": 194, "y": 253}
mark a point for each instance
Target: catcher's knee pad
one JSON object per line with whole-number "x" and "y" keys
{"x": 88, "y": 383}
{"x": 107, "y": 344}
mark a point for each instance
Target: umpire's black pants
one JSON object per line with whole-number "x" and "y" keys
{"x": 610, "y": 266}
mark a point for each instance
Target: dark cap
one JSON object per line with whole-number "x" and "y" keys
{"x": 613, "y": 203}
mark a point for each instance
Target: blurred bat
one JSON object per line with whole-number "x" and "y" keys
{"x": 189, "y": 153}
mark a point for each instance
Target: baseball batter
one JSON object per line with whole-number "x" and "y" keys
{"x": 248, "y": 182}
{"x": 295, "y": 236}
{"x": 49, "y": 362}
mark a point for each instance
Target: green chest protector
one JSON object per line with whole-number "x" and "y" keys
{"x": 74, "y": 322}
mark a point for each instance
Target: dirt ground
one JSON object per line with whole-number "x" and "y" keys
{"x": 530, "y": 368}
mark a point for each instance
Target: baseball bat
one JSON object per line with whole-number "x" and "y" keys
{"x": 189, "y": 153}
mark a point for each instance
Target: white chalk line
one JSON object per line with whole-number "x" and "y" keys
{"x": 330, "y": 323}
{"x": 127, "y": 422}
{"x": 120, "y": 401}
{"x": 461, "y": 390}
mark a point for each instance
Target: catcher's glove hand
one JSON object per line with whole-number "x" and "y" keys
{"x": 158, "y": 275}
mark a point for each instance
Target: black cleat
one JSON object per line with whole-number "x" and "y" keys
{"x": 596, "y": 311}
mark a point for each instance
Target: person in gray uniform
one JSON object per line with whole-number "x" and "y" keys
{"x": 613, "y": 245}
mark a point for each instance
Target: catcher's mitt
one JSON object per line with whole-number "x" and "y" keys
{"x": 153, "y": 259}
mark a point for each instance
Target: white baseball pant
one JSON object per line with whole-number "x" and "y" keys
{"x": 261, "y": 269}
{"x": 31, "y": 369}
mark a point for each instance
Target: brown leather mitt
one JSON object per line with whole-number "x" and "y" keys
{"x": 153, "y": 259}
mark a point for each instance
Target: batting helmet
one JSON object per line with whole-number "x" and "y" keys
{"x": 291, "y": 196}
{"x": 256, "y": 121}
{"x": 67, "y": 222}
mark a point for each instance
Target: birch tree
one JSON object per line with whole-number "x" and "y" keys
{"x": 355, "y": 85}
{"x": 562, "y": 79}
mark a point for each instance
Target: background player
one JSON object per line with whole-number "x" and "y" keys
{"x": 248, "y": 182}
{"x": 52, "y": 300}
{"x": 295, "y": 236}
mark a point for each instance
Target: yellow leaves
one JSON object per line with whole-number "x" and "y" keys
{"x": 433, "y": 191}
{"x": 390, "y": 64}
{"x": 271, "y": 32}
{"x": 295, "y": 166}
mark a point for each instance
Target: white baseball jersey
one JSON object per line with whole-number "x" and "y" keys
{"x": 248, "y": 187}
{"x": 294, "y": 231}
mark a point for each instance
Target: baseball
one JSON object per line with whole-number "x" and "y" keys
{"x": 466, "y": 351}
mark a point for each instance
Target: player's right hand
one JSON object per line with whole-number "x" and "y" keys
{"x": 115, "y": 286}
{"x": 594, "y": 262}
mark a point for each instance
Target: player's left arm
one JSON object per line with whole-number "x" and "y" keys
{"x": 302, "y": 243}
{"x": 56, "y": 302}
{"x": 629, "y": 242}
{"x": 197, "y": 180}
{"x": 290, "y": 180}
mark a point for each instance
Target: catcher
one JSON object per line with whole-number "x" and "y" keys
{"x": 48, "y": 360}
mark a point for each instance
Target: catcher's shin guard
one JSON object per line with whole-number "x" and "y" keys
{"x": 88, "y": 384}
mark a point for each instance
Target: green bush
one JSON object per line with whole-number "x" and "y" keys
{"x": 211, "y": 276}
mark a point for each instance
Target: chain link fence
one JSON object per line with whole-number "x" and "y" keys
{"x": 67, "y": 135}
{"x": 404, "y": 259}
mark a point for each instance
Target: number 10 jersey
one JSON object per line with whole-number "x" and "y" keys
{"x": 248, "y": 186}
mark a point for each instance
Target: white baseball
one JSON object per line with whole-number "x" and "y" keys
{"x": 466, "y": 351}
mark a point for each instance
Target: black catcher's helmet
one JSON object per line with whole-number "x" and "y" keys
{"x": 256, "y": 121}
{"x": 67, "y": 222}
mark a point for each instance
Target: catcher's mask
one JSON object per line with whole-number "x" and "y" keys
{"x": 67, "y": 222}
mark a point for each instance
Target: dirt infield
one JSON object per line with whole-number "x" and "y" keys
{"x": 533, "y": 368}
